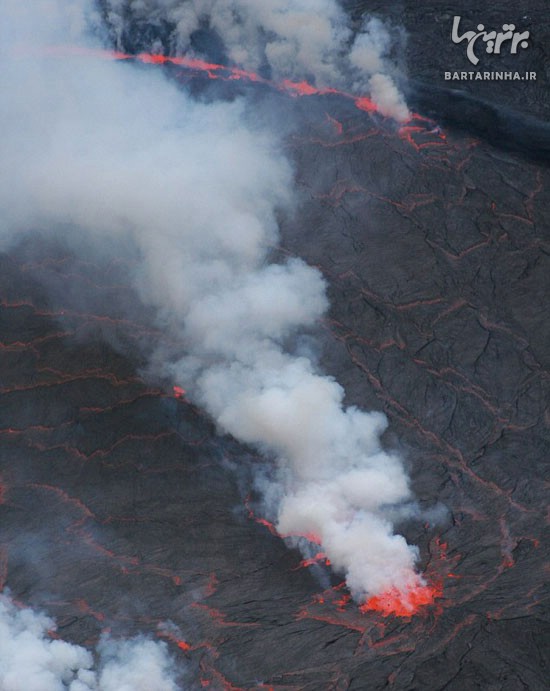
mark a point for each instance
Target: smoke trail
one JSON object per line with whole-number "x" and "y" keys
{"x": 31, "y": 660}
{"x": 112, "y": 152}
{"x": 293, "y": 39}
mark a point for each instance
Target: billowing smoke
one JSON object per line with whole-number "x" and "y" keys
{"x": 367, "y": 56}
{"x": 294, "y": 39}
{"x": 116, "y": 153}
{"x": 32, "y": 660}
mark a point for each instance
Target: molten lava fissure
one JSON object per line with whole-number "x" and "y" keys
{"x": 214, "y": 71}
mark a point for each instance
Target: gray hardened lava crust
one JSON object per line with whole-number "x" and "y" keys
{"x": 122, "y": 508}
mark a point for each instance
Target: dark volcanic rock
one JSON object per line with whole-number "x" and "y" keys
{"x": 121, "y": 507}
{"x": 430, "y": 51}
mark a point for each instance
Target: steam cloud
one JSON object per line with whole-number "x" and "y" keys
{"x": 116, "y": 153}
{"x": 295, "y": 39}
{"x": 30, "y": 660}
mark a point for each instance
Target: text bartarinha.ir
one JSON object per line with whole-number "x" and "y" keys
{"x": 464, "y": 76}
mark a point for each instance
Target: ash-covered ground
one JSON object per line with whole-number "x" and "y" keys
{"x": 122, "y": 508}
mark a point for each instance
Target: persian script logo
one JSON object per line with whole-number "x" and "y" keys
{"x": 492, "y": 39}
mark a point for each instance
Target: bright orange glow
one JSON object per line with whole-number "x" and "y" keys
{"x": 402, "y": 603}
{"x": 178, "y": 392}
{"x": 366, "y": 104}
{"x": 301, "y": 88}
{"x": 213, "y": 71}
{"x": 319, "y": 557}
{"x": 267, "y": 524}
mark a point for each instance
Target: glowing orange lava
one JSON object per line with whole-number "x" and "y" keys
{"x": 215, "y": 71}
{"x": 178, "y": 392}
{"x": 402, "y": 603}
{"x": 301, "y": 88}
{"x": 364, "y": 103}
{"x": 318, "y": 558}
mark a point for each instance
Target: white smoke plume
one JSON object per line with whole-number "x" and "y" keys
{"x": 297, "y": 39}
{"x": 367, "y": 57}
{"x": 31, "y": 660}
{"x": 108, "y": 151}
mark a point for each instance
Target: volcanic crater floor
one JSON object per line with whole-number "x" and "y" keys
{"x": 122, "y": 509}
